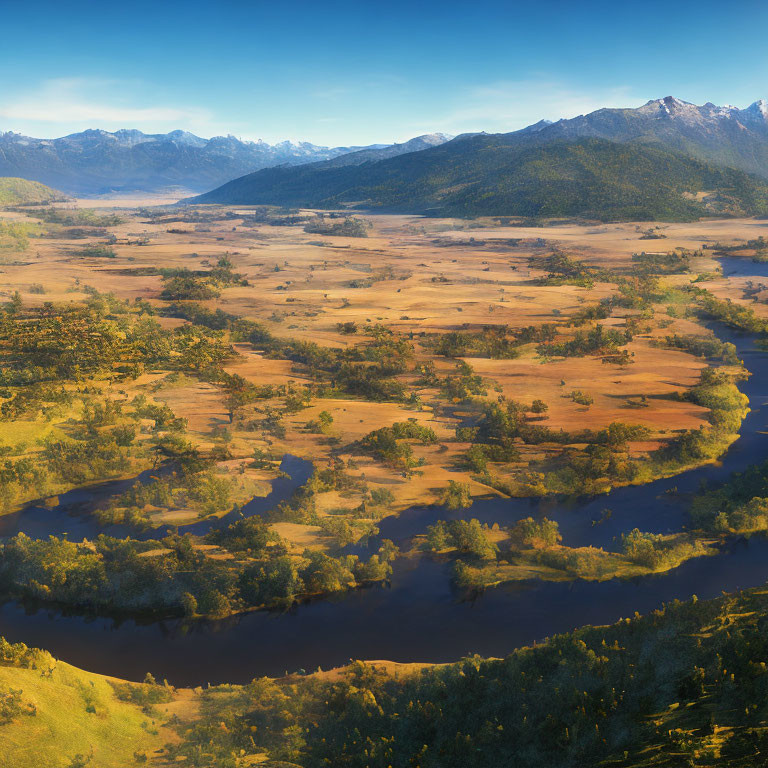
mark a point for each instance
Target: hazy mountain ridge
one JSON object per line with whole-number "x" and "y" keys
{"x": 98, "y": 162}
{"x": 374, "y": 153}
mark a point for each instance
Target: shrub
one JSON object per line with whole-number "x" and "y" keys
{"x": 537, "y": 533}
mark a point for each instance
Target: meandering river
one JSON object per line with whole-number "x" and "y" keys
{"x": 417, "y": 617}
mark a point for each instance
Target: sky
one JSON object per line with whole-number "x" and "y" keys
{"x": 351, "y": 73}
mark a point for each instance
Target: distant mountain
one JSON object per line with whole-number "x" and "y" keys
{"x": 15, "y": 191}
{"x": 373, "y": 154}
{"x": 737, "y": 138}
{"x": 97, "y": 162}
{"x": 514, "y": 175}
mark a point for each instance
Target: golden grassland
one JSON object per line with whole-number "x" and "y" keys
{"x": 79, "y": 713}
{"x": 68, "y": 713}
{"x": 436, "y": 276}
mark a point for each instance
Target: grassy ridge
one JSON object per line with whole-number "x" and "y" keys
{"x": 501, "y": 175}
{"x": 65, "y": 712}
{"x": 15, "y": 191}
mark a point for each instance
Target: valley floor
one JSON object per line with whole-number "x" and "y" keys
{"x": 428, "y": 361}
{"x": 160, "y": 362}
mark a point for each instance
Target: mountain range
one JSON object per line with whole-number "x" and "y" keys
{"x": 97, "y": 162}
{"x": 667, "y": 159}
{"x": 727, "y": 135}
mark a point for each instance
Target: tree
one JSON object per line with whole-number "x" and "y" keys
{"x": 469, "y": 537}
{"x": 375, "y": 569}
{"x": 15, "y": 304}
{"x": 189, "y": 604}
{"x": 388, "y": 551}
{"x": 537, "y": 533}
{"x": 327, "y": 574}
{"x": 476, "y": 459}
{"x": 214, "y": 603}
{"x": 456, "y": 496}
{"x": 437, "y": 537}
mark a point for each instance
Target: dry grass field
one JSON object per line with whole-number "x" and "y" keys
{"x": 420, "y": 279}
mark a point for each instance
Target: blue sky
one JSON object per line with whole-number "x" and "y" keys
{"x": 355, "y": 73}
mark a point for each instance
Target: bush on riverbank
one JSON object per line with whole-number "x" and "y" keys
{"x": 175, "y": 576}
{"x": 739, "y": 506}
{"x": 727, "y": 406}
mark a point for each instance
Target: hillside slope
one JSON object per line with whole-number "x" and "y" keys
{"x": 15, "y": 191}
{"x": 51, "y": 713}
{"x": 506, "y": 175}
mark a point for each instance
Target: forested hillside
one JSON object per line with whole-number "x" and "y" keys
{"x": 502, "y": 175}
{"x": 684, "y": 686}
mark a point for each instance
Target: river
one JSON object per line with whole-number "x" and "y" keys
{"x": 417, "y": 617}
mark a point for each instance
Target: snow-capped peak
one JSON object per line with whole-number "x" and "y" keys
{"x": 759, "y": 108}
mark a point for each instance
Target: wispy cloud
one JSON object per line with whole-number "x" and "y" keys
{"x": 350, "y": 113}
{"x": 509, "y": 105}
{"x": 334, "y": 93}
{"x": 78, "y": 103}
